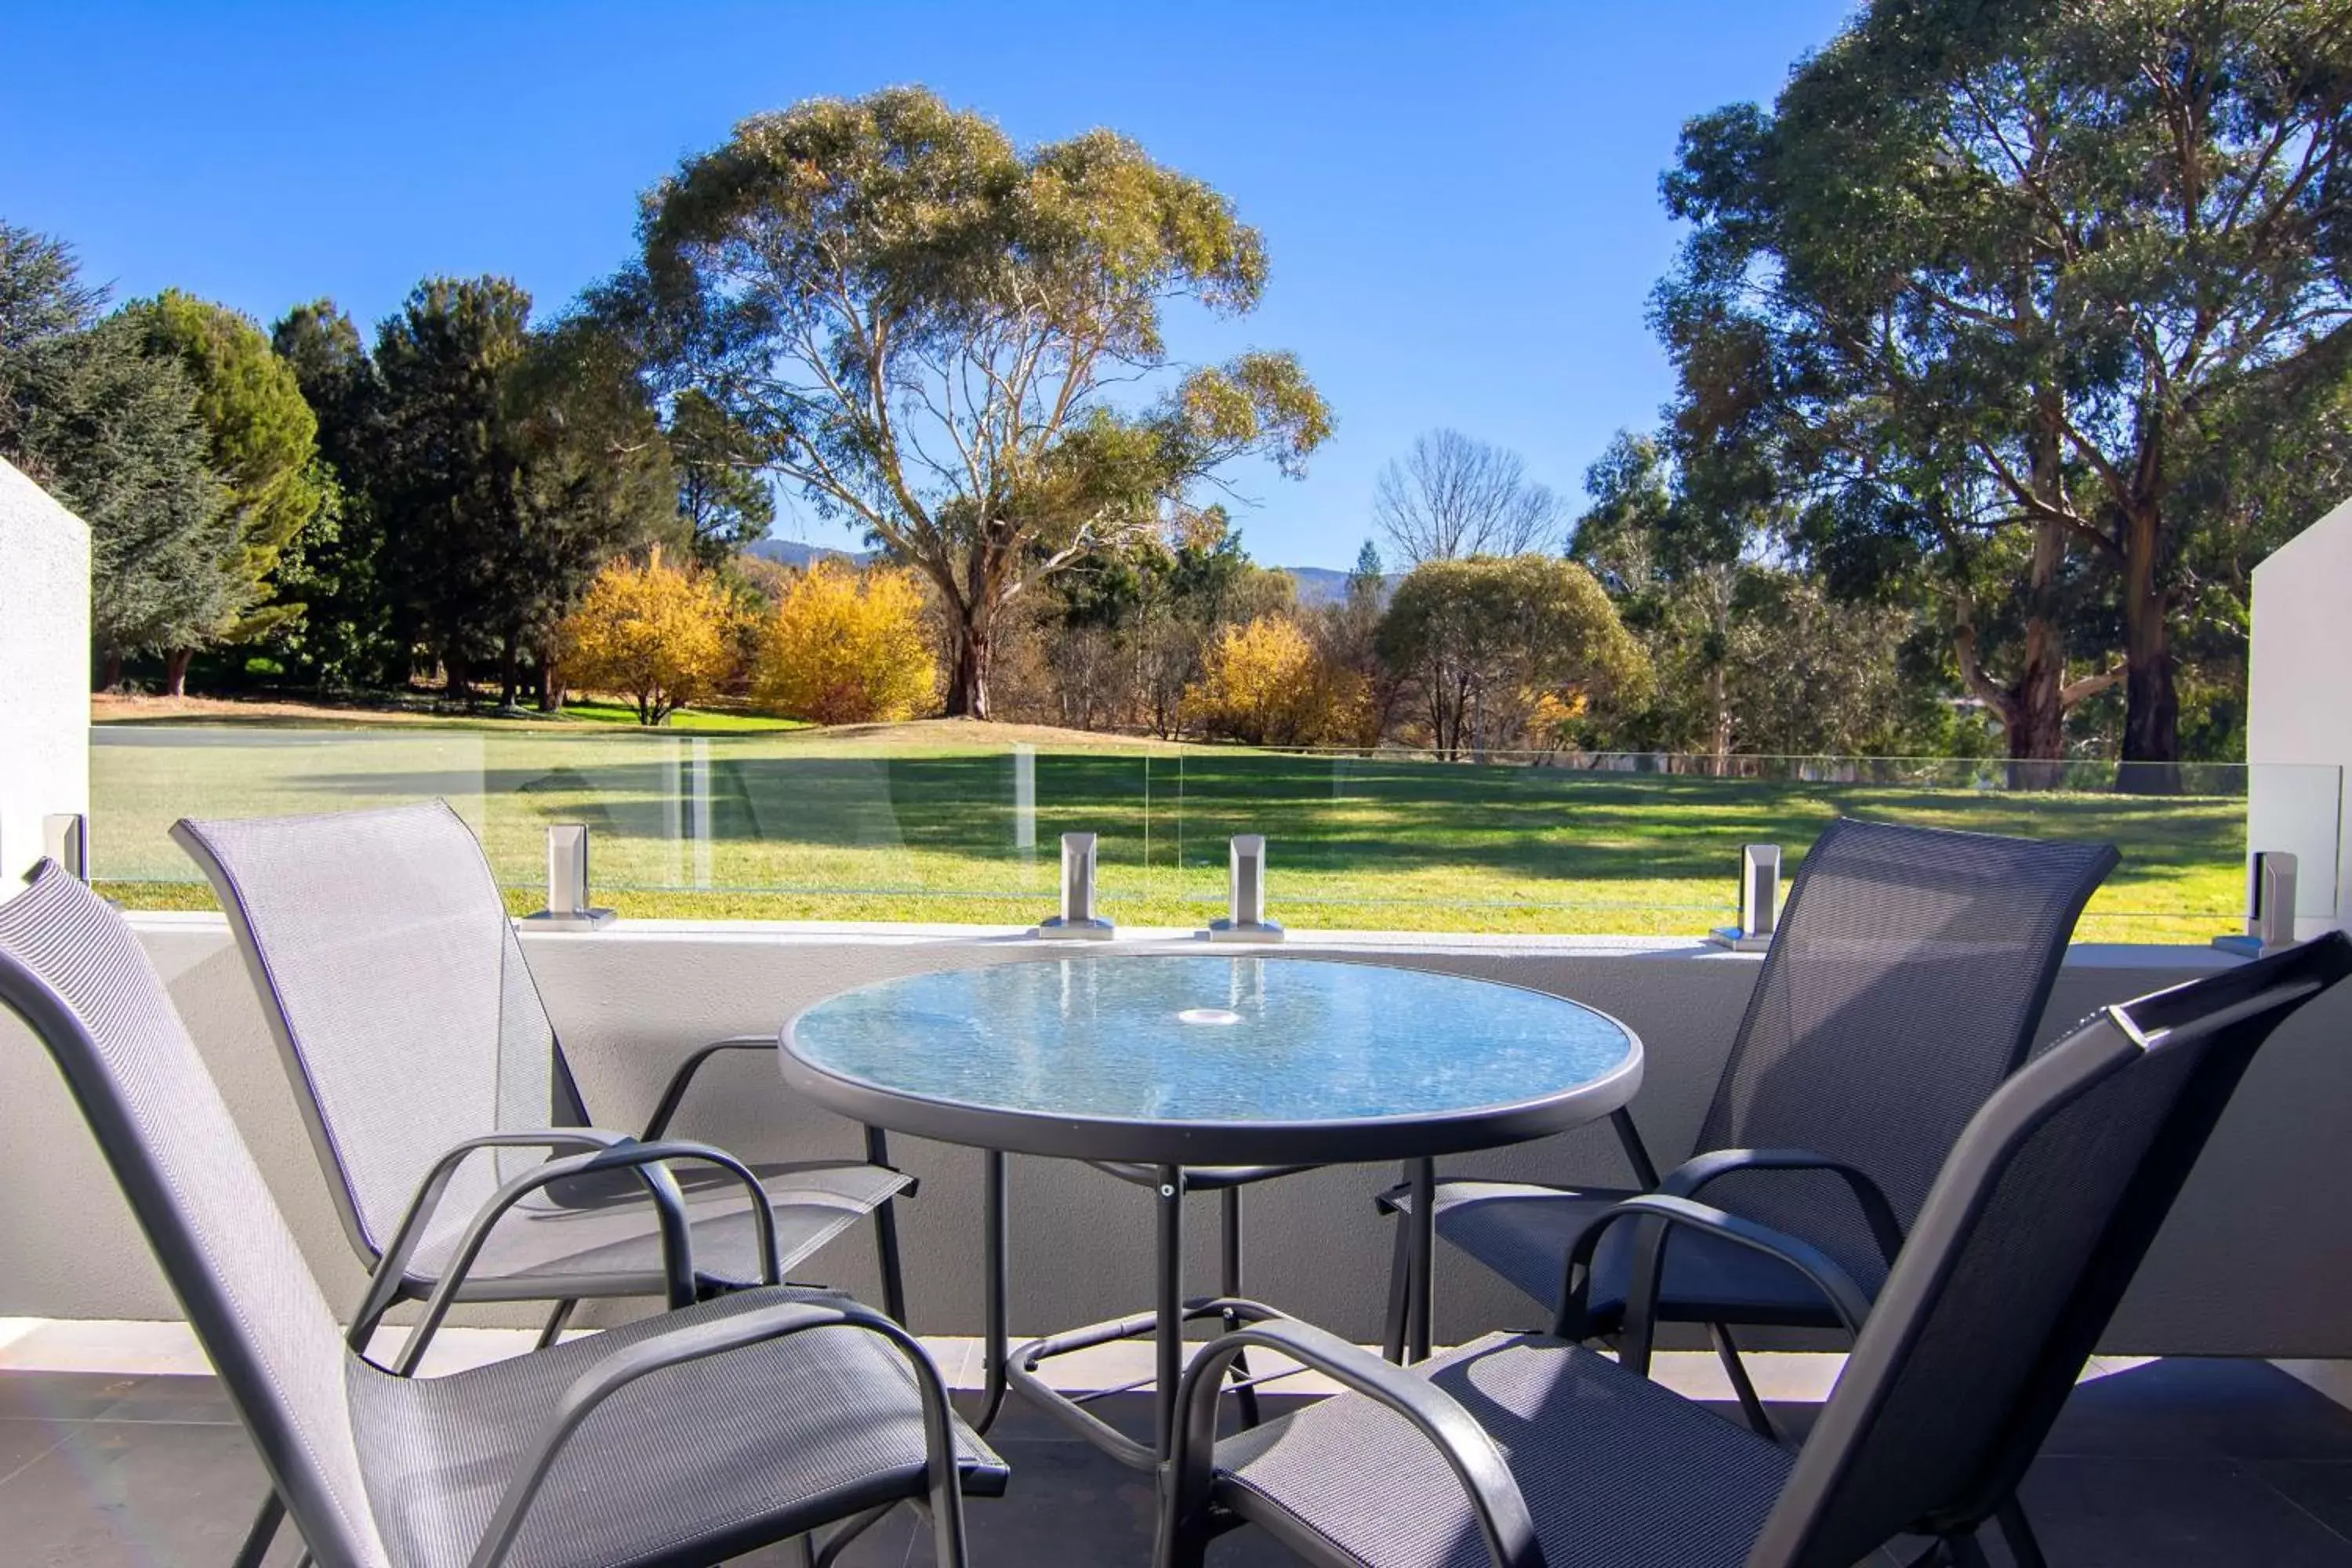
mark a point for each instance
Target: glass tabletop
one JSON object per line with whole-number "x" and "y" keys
{"x": 1203, "y": 1041}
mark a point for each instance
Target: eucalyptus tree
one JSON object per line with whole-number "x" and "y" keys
{"x": 1451, "y": 496}
{"x": 1985, "y": 274}
{"x": 957, "y": 344}
{"x": 1486, "y": 639}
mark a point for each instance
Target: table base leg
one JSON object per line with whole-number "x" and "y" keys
{"x": 1423, "y": 1305}
{"x": 994, "y": 1228}
{"x": 1168, "y": 1336}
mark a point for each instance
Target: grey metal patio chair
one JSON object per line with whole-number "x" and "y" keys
{"x": 415, "y": 1038}
{"x": 1905, "y": 982}
{"x": 1526, "y": 1450}
{"x": 684, "y": 1439}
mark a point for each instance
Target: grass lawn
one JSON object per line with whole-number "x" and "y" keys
{"x": 917, "y": 823}
{"x": 416, "y": 713}
{"x": 692, "y": 721}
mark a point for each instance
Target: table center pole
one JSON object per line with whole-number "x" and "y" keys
{"x": 1169, "y": 1338}
{"x": 1423, "y": 1175}
{"x": 994, "y": 1229}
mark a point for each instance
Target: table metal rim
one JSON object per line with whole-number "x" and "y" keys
{"x": 1336, "y": 1141}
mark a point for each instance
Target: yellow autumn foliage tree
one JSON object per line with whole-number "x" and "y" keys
{"x": 847, "y": 647}
{"x": 1262, "y": 683}
{"x": 662, "y": 636}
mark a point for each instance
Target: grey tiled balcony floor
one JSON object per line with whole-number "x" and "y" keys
{"x": 2174, "y": 1462}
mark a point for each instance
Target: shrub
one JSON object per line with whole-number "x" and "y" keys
{"x": 847, "y": 647}
{"x": 1262, "y": 683}
{"x": 662, "y": 636}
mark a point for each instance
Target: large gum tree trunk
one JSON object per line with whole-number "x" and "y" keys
{"x": 2036, "y": 709}
{"x": 2151, "y": 748}
{"x": 458, "y": 680}
{"x": 2031, "y": 707}
{"x": 175, "y": 672}
{"x": 968, "y": 671}
{"x": 2037, "y": 723}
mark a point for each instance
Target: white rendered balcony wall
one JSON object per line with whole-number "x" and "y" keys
{"x": 44, "y": 669}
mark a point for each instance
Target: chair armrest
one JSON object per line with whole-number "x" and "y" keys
{"x": 701, "y": 1341}
{"x": 679, "y": 1081}
{"x": 392, "y": 1263}
{"x": 669, "y": 1206}
{"x": 1641, "y": 1297}
{"x": 1494, "y": 1495}
{"x": 1685, "y": 1179}
{"x": 877, "y": 1148}
{"x": 763, "y": 1212}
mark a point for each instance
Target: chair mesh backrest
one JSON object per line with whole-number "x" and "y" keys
{"x": 1905, "y": 981}
{"x": 2029, "y": 1237}
{"x": 400, "y": 996}
{"x": 72, "y": 968}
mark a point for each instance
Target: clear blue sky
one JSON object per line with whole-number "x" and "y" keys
{"x": 1460, "y": 201}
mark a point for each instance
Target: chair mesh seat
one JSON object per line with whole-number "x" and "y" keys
{"x": 542, "y": 1243}
{"x": 712, "y": 1454}
{"x": 1524, "y": 1231}
{"x": 1617, "y": 1471}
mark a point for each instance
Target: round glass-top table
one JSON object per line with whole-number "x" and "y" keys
{"x": 1168, "y": 1065}
{"x": 1211, "y": 1060}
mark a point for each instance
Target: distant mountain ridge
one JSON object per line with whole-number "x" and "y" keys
{"x": 1317, "y": 584}
{"x": 793, "y": 552}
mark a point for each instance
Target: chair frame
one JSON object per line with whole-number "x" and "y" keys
{"x": 297, "y": 1487}
{"x": 389, "y": 1287}
{"x": 2111, "y": 1041}
{"x": 1409, "y": 1330}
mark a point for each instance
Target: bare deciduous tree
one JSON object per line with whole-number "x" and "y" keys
{"x": 1453, "y": 497}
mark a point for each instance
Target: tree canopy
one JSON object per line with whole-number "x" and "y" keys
{"x": 1451, "y": 496}
{"x": 1486, "y": 639}
{"x": 89, "y": 411}
{"x": 264, "y": 441}
{"x": 512, "y": 464}
{"x": 1979, "y": 287}
{"x": 922, "y": 325}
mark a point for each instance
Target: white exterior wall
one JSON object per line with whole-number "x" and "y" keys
{"x": 44, "y": 667}
{"x": 2256, "y": 1260}
{"x": 2301, "y": 715}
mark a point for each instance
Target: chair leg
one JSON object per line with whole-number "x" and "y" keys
{"x": 804, "y": 1548}
{"x": 1728, "y": 1352}
{"x": 263, "y": 1532}
{"x": 829, "y": 1550}
{"x": 2022, "y": 1545}
{"x": 1181, "y": 1541}
{"x": 886, "y": 1235}
{"x": 1229, "y": 1285}
{"x": 886, "y": 1249}
{"x": 556, "y": 1322}
{"x": 1966, "y": 1551}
